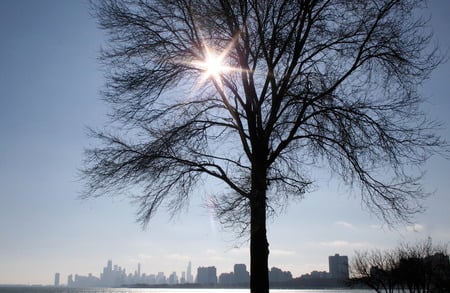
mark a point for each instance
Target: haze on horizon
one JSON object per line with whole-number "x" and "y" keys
{"x": 49, "y": 93}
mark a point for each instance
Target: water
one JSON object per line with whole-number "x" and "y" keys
{"x": 161, "y": 290}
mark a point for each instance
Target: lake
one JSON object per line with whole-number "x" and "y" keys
{"x": 161, "y": 290}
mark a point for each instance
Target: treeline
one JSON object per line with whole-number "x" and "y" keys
{"x": 421, "y": 267}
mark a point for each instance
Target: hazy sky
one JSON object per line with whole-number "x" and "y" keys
{"x": 49, "y": 93}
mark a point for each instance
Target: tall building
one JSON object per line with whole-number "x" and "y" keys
{"x": 241, "y": 275}
{"x": 207, "y": 276}
{"x": 189, "y": 277}
{"x": 173, "y": 279}
{"x": 56, "y": 279}
{"x": 69, "y": 281}
{"x": 338, "y": 265}
{"x": 161, "y": 278}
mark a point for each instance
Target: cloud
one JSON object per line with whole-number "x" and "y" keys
{"x": 281, "y": 252}
{"x": 211, "y": 256}
{"x": 335, "y": 243}
{"x": 242, "y": 251}
{"x": 344, "y": 244}
{"x": 176, "y": 256}
{"x": 144, "y": 256}
{"x": 415, "y": 228}
{"x": 346, "y": 225}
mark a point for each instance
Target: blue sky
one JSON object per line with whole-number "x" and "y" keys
{"x": 49, "y": 93}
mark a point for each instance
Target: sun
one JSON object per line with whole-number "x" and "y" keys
{"x": 213, "y": 65}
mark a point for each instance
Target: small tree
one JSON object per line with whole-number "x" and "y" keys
{"x": 424, "y": 267}
{"x": 255, "y": 93}
{"x": 420, "y": 267}
{"x": 376, "y": 269}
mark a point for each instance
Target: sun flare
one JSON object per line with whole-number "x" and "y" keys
{"x": 213, "y": 65}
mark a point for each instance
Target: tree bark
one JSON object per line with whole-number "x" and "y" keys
{"x": 259, "y": 246}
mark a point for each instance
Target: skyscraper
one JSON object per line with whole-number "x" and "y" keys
{"x": 189, "y": 277}
{"x": 207, "y": 275}
{"x": 70, "y": 281}
{"x": 109, "y": 266}
{"x": 56, "y": 279}
{"x": 338, "y": 265}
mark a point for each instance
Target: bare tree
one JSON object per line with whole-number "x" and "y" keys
{"x": 254, "y": 94}
{"x": 423, "y": 267}
{"x": 376, "y": 269}
{"x": 420, "y": 267}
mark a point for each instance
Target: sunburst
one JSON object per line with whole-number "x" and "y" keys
{"x": 212, "y": 65}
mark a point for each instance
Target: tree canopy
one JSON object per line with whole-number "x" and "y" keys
{"x": 256, "y": 94}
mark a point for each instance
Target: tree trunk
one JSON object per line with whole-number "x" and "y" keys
{"x": 259, "y": 247}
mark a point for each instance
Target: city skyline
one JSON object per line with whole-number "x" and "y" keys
{"x": 113, "y": 275}
{"x": 50, "y": 81}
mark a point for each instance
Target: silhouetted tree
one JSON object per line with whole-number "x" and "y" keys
{"x": 421, "y": 267}
{"x": 376, "y": 269}
{"x": 255, "y": 94}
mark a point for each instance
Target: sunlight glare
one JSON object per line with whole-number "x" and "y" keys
{"x": 213, "y": 65}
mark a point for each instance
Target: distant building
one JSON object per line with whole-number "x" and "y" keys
{"x": 317, "y": 275}
{"x": 226, "y": 279}
{"x": 241, "y": 275}
{"x": 161, "y": 278}
{"x": 70, "y": 281}
{"x": 338, "y": 265}
{"x": 57, "y": 280}
{"x": 149, "y": 279}
{"x": 438, "y": 261}
{"x": 86, "y": 281}
{"x": 189, "y": 277}
{"x": 276, "y": 275}
{"x": 173, "y": 279}
{"x": 207, "y": 276}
